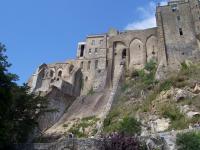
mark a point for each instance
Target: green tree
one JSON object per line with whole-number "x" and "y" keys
{"x": 19, "y": 110}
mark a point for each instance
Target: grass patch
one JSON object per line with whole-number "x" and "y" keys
{"x": 178, "y": 120}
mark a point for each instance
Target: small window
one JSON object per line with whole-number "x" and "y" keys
{"x": 89, "y": 64}
{"x": 93, "y": 42}
{"x": 96, "y": 64}
{"x": 124, "y": 54}
{"x": 90, "y": 51}
{"x": 101, "y": 42}
{"x": 199, "y": 18}
{"x": 96, "y": 50}
{"x": 81, "y": 65}
{"x": 180, "y": 31}
{"x": 174, "y": 7}
{"x": 178, "y": 18}
{"x": 139, "y": 46}
{"x": 82, "y": 50}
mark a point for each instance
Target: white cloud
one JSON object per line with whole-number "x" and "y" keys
{"x": 147, "y": 15}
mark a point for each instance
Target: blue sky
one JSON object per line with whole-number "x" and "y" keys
{"x": 47, "y": 31}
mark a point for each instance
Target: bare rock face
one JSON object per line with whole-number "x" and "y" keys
{"x": 58, "y": 102}
{"x": 159, "y": 125}
{"x": 189, "y": 111}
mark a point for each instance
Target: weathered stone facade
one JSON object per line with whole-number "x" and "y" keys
{"x": 175, "y": 39}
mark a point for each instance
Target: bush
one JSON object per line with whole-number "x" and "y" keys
{"x": 151, "y": 66}
{"x": 166, "y": 85}
{"x": 188, "y": 141}
{"x": 130, "y": 126}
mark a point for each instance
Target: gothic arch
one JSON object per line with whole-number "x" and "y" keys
{"x": 152, "y": 48}
{"x": 137, "y": 53}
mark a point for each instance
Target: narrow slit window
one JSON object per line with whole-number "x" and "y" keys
{"x": 180, "y": 31}
{"x": 96, "y": 64}
{"x": 81, "y": 65}
{"x": 89, "y": 63}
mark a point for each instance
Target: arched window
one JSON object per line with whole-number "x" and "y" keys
{"x": 60, "y": 73}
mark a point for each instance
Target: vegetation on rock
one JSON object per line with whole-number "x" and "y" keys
{"x": 82, "y": 127}
{"x": 142, "y": 96}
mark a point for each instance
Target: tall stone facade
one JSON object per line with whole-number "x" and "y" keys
{"x": 175, "y": 39}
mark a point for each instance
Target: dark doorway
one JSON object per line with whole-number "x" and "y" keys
{"x": 124, "y": 54}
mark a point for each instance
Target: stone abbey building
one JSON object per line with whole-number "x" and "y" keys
{"x": 175, "y": 39}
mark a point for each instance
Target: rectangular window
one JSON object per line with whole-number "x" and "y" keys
{"x": 101, "y": 42}
{"x": 93, "y": 42}
{"x": 96, "y": 64}
{"x": 81, "y": 65}
{"x": 89, "y": 63}
{"x": 178, "y": 18}
{"x": 96, "y": 50}
{"x": 82, "y": 50}
{"x": 90, "y": 51}
{"x": 180, "y": 31}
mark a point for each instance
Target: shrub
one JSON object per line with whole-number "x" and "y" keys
{"x": 151, "y": 66}
{"x": 166, "y": 85}
{"x": 91, "y": 92}
{"x": 130, "y": 126}
{"x": 188, "y": 141}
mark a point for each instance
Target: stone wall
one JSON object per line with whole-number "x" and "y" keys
{"x": 180, "y": 29}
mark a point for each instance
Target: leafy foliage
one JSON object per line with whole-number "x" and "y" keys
{"x": 188, "y": 141}
{"x": 129, "y": 126}
{"x": 19, "y": 110}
